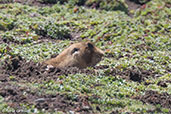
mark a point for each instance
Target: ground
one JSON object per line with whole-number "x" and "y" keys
{"x": 133, "y": 77}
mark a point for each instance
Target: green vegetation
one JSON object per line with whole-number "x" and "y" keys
{"x": 142, "y": 41}
{"x": 100, "y": 4}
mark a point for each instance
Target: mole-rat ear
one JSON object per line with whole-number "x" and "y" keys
{"x": 90, "y": 45}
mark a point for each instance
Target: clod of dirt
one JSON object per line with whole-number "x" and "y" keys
{"x": 135, "y": 76}
{"x": 155, "y": 98}
{"x": 162, "y": 84}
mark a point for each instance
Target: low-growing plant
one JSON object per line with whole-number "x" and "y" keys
{"x": 6, "y": 25}
{"x": 53, "y": 29}
{"x": 108, "y": 5}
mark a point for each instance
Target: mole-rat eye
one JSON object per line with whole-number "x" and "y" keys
{"x": 90, "y": 45}
{"x": 74, "y": 50}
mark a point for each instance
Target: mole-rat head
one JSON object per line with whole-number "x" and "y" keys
{"x": 86, "y": 54}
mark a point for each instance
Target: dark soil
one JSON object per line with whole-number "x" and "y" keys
{"x": 16, "y": 95}
{"x": 156, "y": 98}
{"x": 134, "y": 74}
{"x": 19, "y": 70}
{"x": 30, "y": 71}
{"x": 162, "y": 83}
{"x": 33, "y": 72}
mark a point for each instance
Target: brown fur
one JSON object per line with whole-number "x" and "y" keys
{"x": 81, "y": 55}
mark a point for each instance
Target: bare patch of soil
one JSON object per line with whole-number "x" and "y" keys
{"x": 16, "y": 68}
{"x": 19, "y": 70}
{"x": 156, "y": 98}
{"x": 134, "y": 74}
{"x": 15, "y": 95}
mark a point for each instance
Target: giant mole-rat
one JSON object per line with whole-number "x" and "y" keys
{"x": 81, "y": 55}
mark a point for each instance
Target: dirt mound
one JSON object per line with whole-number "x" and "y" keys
{"x": 156, "y": 98}
{"x": 16, "y": 68}
{"x": 134, "y": 74}
{"x": 15, "y": 95}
